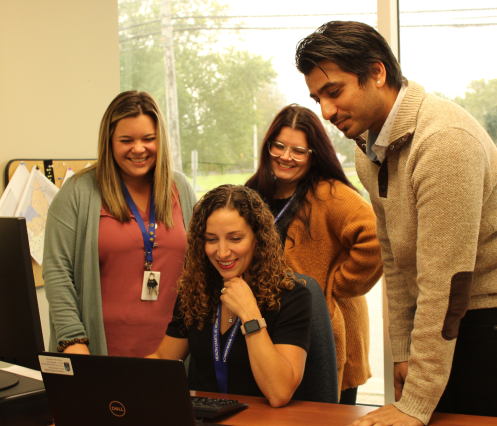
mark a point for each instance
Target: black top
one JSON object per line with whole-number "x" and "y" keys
{"x": 290, "y": 325}
{"x": 276, "y": 206}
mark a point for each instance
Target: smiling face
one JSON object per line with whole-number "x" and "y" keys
{"x": 229, "y": 243}
{"x": 351, "y": 108}
{"x": 134, "y": 147}
{"x": 285, "y": 168}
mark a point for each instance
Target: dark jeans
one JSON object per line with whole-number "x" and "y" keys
{"x": 348, "y": 396}
{"x": 472, "y": 386}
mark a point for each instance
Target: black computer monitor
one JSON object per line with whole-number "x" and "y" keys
{"x": 21, "y": 336}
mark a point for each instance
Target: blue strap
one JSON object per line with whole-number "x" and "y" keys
{"x": 221, "y": 365}
{"x": 284, "y": 208}
{"x": 148, "y": 234}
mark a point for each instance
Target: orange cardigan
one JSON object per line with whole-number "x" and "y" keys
{"x": 343, "y": 256}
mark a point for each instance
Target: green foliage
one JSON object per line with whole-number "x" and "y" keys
{"x": 217, "y": 87}
{"x": 480, "y": 100}
{"x": 216, "y": 103}
{"x": 341, "y": 144}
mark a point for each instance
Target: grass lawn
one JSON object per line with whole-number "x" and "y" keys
{"x": 208, "y": 182}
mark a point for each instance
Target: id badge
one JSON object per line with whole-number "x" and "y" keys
{"x": 150, "y": 288}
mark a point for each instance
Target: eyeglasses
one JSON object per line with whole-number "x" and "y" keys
{"x": 277, "y": 149}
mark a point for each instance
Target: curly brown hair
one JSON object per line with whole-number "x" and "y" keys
{"x": 200, "y": 283}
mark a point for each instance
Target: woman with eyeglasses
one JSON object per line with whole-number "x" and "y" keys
{"x": 327, "y": 229}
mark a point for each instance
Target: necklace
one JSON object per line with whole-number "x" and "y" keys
{"x": 230, "y": 314}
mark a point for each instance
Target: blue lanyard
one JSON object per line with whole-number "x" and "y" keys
{"x": 284, "y": 208}
{"x": 148, "y": 234}
{"x": 221, "y": 365}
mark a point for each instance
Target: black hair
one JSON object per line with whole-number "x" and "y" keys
{"x": 355, "y": 47}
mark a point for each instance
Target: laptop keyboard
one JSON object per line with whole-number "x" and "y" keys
{"x": 209, "y": 408}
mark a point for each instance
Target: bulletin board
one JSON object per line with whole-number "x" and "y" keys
{"x": 55, "y": 170}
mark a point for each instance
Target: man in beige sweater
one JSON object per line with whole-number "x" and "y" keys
{"x": 431, "y": 172}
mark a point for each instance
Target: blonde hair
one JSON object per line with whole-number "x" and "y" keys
{"x": 132, "y": 104}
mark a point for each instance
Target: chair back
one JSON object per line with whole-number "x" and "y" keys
{"x": 320, "y": 383}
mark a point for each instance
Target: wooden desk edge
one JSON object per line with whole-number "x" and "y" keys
{"x": 298, "y": 413}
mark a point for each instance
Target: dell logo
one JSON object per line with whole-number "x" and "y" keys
{"x": 117, "y": 408}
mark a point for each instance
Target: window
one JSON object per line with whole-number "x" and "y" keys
{"x": 446, "y": 47}
{"x": 234, "y": 70}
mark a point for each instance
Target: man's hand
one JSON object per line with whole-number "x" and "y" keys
{"x": 387, "y": 416}
{"x": 399, "y": 378}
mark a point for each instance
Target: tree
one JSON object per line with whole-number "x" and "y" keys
{"x": 341, "y": 144}
{"x": 269, "y": 101}
{"x": 480, "y": 100}
{"x": 216, "y": 86}
{"x": 217, "y": 105}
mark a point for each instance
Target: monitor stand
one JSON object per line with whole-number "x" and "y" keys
{"x": 8, "y": 380}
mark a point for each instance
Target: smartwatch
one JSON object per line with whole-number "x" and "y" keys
{"x": 253, "y": 326}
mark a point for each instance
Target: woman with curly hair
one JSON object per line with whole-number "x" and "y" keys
{"x": 239, "y": 305}
{"x": 327, "y": 229}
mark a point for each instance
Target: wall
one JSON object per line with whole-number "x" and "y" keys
{"x": 59, "y": 69}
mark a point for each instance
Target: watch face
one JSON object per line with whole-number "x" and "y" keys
{"x": 252, "y": 326}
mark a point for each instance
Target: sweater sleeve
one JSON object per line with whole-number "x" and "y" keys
{"x": 401, "y": 304}
{"x": 362, "y": 267}
{"x": 187, "y": 196}
{"x": 448, "y": 181}
{"x": 58, "y": 264}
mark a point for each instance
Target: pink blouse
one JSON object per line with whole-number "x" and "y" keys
{"x": 134, "y": 327}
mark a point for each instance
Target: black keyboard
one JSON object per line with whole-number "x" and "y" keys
{"x": 208, "y": 408}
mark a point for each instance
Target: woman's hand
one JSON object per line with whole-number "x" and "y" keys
{"x": 239, "y": 299}
{"x": 78, "y": 348}
{"x": 277, "y": 369}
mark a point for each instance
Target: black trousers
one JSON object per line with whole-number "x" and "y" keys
{"x": 472, "y": 386}
{"x": 348, "y": 396}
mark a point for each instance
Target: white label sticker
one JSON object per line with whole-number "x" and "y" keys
{"x": 56, "y": 365}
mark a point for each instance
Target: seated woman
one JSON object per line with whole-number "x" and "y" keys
{"x": 238, "y": 304}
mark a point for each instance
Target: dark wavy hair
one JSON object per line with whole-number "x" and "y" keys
{"x": 200, "y": 284}
{"x": 325, "y": 164}
{"x": 353, "y": 46}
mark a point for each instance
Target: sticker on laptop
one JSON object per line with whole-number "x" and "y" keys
{"x": 56, "y": 365}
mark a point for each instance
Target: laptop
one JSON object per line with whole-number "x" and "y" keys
{"x": 105, "y": 391}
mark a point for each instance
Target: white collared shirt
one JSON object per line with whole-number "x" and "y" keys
{"x": 377, "y": 143}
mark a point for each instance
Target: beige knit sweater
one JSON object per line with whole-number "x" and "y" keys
{"x": 344, "y": 257}
{"x": 435, "y": 199}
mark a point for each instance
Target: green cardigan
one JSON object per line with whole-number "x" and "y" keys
{"x": 71, "y": 264}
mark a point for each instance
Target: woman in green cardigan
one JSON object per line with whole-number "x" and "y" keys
{"x": 105, "y": 296}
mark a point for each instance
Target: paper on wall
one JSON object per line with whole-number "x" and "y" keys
{"x": 69, "y": 173}
{"x": 12, "y": 194}
{"x": 35, "y": 201}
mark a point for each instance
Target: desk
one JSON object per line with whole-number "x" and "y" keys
{"x": 299, "y": 413}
